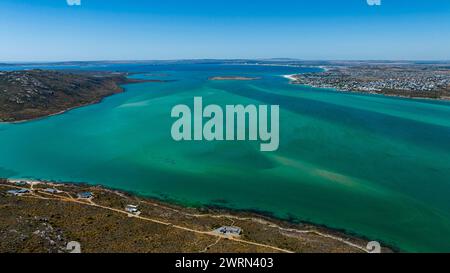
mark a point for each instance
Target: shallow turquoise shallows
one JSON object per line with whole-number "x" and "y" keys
{"x": 372, "y": 165}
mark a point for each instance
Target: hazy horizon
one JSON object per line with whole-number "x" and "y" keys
{"x": 95, "y": 30}
{"x": 225, "y": 59}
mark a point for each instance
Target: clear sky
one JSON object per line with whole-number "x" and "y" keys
{"x": 51, "y": 30}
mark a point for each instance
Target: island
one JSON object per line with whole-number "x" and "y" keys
{"x": 46, "y": 217}
{"x": 31, "y": 94}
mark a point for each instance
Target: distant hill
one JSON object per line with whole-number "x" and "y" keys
{"x": 32, "y": 94}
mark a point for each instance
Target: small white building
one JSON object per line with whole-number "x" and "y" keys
{"x": 52, "y": 191}
{"x": 132, "y": 209}
{"x": 229, "y": 231}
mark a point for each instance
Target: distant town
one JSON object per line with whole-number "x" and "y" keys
{"x": 408, "y": 80}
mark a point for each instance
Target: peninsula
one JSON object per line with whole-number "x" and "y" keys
{"x": 31, "y": 94}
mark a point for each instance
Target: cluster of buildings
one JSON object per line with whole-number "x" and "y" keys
{"x": 19, "y": 192}
{"x": 132, "y": 210}
{"x": 24, "y": 190}
{"x": 375, "y": 79}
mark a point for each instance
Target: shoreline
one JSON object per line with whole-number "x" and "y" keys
{"x": 290, "y": 77}
{"x": 260, "y": 214}
{"x": 294, "y": 225}
{"x": 292, "y": 81}
{"x": 120, "y": 90}
{"x": 58, "y": 113}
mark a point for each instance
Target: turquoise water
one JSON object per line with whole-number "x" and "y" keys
{"x": 371, "y": 165}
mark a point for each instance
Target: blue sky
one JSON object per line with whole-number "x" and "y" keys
{"x": 51, "y": 30}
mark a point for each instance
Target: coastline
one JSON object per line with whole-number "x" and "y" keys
{"x": 290, "y": 77}
{"x": 292, "y": 81}
{"x": 294, "y": 228}
{"x": 259, "y": 214}
{"x": 120, "y": 89}
{"x": 60, "y": 112}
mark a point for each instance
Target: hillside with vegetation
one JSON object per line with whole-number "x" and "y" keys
{"x": 26, "y": 95}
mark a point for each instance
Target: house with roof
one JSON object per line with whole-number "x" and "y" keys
{"x": 229, "y": 231}
{"x": 18, "y": 192}
{"x": 85, "y": 195}
{"x": 52, "y": 191}
{"x": 132, "y": 209}
{"x": 21, "y": 183}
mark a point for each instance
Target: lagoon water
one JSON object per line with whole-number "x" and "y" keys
{"x": 372, "y": 165}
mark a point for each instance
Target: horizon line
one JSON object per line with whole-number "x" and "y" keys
{"x": 221, "y": 59}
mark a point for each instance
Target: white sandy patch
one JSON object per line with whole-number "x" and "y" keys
{"x": 134, "y": 104}
{"x": 290, "y": 77}
{"x": 325, "y": 69}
